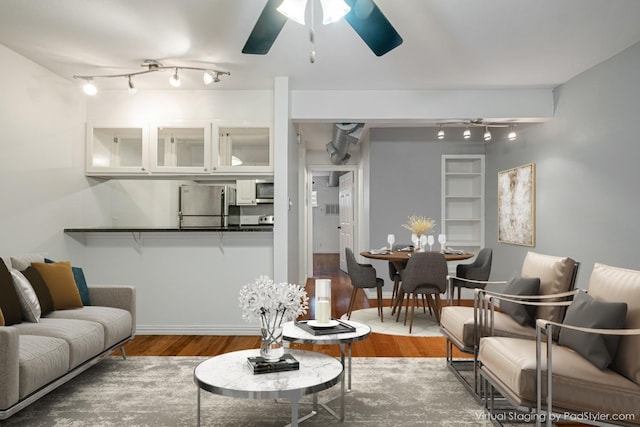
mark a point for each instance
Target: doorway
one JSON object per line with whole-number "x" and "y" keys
{"x": 330, "y": 220}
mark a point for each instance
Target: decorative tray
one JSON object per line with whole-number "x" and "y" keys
{"x": 340, "y": 328}
{"x": 258, "y": 364}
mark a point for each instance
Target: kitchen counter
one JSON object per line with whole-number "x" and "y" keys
{"x": 134, "y": 229}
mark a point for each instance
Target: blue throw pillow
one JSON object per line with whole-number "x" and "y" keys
{"x": 81, "y": 282}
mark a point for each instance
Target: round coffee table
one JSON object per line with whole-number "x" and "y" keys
{"x": 229, "y": 375}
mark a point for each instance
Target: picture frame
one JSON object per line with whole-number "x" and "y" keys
{"x": 516, "y": 205}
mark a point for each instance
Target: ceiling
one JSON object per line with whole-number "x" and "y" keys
{"x": 448, "y": 44}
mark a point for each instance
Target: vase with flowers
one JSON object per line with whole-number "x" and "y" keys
{"x": 272, "y": 304}
{"x": 419, "y": 225}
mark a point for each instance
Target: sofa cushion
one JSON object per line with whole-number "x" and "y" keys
{"x": 521, "y": 286}
{"x": 578, "y": 385}
{"x": 59, "y": 279}
{"x": 40, "y": 288}
{"x": 115, "y": 321}
{"x": 613, "y": 284}
{"x": 21, "y": 262}
{"x": 585, "y": 312}
{"x": 27, "y": 296}
{"x": 556, "y": 274}
{"x": 456, "y": 322}
{"x": 85, "y": 338}
{"x": 9, "y": 301}
{"x": 41, "y": 360}
{"x": 81, "y": 282}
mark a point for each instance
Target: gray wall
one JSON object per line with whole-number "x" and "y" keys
{"x": 404, "y": 179}
{"x": 587, "y": 172}
{"x": 326, "y": 236}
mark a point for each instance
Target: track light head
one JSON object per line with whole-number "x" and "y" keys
{"x": 487, "y": 134}
{"x": 89, "y": 88}
{"x": 512, "y": 134}
{"x": 466, "y": 134}
{"x": 440, "y": 133}
{"x": 174, "y": 80}
{"x": 132, "y": 88}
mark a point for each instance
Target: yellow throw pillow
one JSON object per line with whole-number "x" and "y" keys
{"x": 58, "y": 277}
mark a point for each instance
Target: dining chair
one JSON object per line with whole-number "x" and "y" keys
{"x": 425, "y": 274}
{"x": 479, "y": 269}
{"x": 362, "y": 276}
{"x": 394, "y": 273}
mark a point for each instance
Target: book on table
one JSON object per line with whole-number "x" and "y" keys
{"x": 259, "y": 365}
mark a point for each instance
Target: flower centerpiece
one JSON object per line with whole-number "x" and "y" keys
{"x": 419, "y": 225}
{"x": 272, "y": 304}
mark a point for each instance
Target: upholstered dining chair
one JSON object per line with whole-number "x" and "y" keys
{"x": 425, "y": 274}
{"x": 394, "y": 273}
{"x": 479, "y": 269}
{"x": 362, "y": 276}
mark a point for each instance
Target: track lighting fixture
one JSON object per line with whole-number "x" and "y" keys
{"x": 132, "y": 88}
{"x": 440, "y": 133}
{"x": 466, "y": 134}
{"x": 487, "y": 134}
{"x": 332, "y": 10}
{"x": 512, "y": 134}
{"x": 151, "y": 66}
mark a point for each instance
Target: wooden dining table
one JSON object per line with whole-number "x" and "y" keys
{"x": 399, "y": 260}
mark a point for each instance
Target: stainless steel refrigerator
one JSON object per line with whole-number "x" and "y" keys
{"x": 205, "y": 205}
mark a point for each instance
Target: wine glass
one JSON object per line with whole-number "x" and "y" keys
{"x": 414, "y": 240}
{"x": 423, "y": 242}
{"x": 430, "y": 241}
{"x": 391, "y": 240}
{"x": 442, "y": 239}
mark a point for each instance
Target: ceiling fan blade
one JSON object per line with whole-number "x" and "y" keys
{"x": 266, "y": 30}
{"x": 372, "y": 26}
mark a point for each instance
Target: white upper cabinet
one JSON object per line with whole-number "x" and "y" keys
{"x": 244, "y": 150}
{"x": 183, "y": 148}
{"x": 117, "y": 149}
{"x": 463, "y": 201}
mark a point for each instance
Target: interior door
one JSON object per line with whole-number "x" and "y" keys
{"x": 345, "y": 194}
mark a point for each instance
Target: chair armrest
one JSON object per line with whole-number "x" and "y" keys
{"x": 545, "y": 327}
{"x": 462, "y": 279}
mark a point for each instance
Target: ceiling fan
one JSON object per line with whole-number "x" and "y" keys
{"x": 364, "y": 17}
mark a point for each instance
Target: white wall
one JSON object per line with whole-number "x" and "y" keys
{"x": 326, "y": 238}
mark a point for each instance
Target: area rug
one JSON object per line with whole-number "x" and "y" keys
{"x": 424, "y": 325}
{"x": 159, "y": 391}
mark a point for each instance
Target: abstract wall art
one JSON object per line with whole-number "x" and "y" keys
{"x": 516, "y": 205}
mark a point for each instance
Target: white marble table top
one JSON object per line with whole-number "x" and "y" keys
{"x": 229, "y": 375}
{"x": 291, "y": 332}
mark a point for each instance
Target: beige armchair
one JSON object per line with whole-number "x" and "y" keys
{"x": 461, "y": 325}
{"x": 585, "y": 377}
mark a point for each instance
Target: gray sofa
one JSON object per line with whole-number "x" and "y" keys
{"x": 35, "y": 358}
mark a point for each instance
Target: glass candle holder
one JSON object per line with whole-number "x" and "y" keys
{"x": 323, "y": 300}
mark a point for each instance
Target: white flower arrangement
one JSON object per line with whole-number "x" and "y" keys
{"x": 272, "y": 303}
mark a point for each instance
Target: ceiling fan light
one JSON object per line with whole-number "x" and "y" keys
{"x": 440, "y": 133}
{"x": 333, "y": 10}
{"x": 293, "y": 9}
{"x": 89, "y": 88}
{"x": 174, "y": 80}
{"x": 512, "y": 134}
{"x": 487, "y": 134}
{"x": 467, "y": 133}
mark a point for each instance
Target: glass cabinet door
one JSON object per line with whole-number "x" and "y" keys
{"x": 183, "y": 148}
{"x": 116, "y": 149}
{"x": 245, "y": 149}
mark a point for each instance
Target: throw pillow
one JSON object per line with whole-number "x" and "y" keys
{"x": 59, "y": 279}
{"x": 586, "y": 312}
{"x": 1, "y": 318}
{"x": 21, "y": 262}
{"x": 40, "y": 288}
{"x": 521, "y": 286}
{"x": 9, "y": 302}
{"x": 81, "y": 282}
{"x": 27, "y": 296}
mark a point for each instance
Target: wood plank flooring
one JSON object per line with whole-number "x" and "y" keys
{"x": 326, "y": 266}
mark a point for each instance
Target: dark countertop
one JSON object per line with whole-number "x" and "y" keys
{"x": 133, "y": 229}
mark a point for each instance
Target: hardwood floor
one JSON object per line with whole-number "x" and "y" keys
{"x": 326, "y": 266}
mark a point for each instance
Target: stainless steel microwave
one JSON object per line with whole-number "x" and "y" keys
{"x": 264, "y": 192}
